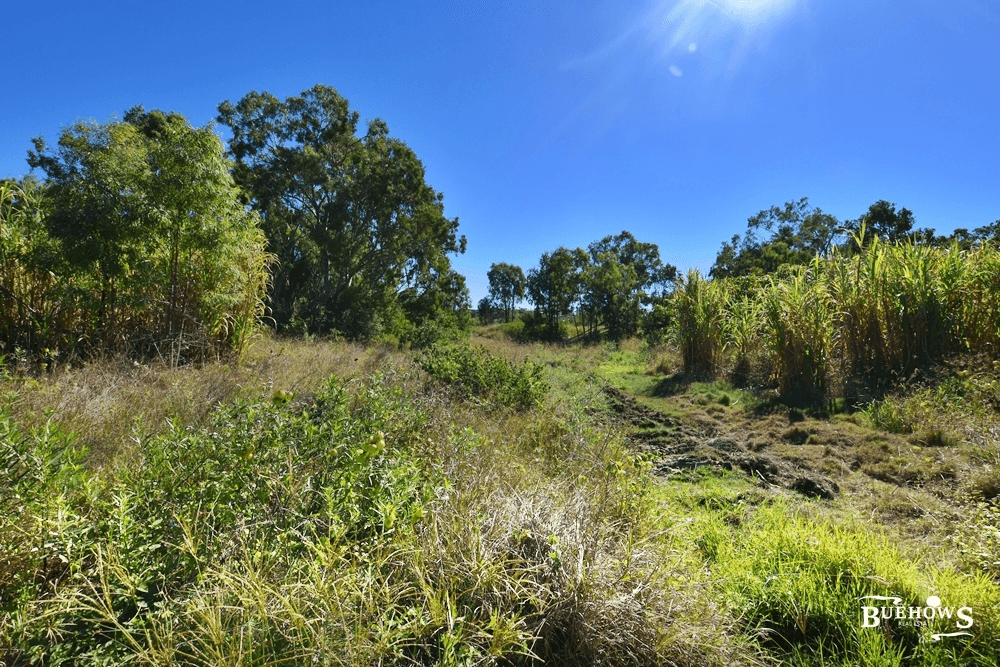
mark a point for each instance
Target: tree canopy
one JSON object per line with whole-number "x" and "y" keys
{"x": 555, "y": 285}
{"x": 622, "y": 277}
{"x": 798, "y": 232}
{"x": 507, "y": 284}
{"x": 351, "y": 218}
{"x": 156, "y": 241}
{"x": 611, "y": 284}
{"x": 884, "y": 221}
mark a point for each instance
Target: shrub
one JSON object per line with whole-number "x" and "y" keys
{"x": 126, "y": 553}
{"x": 476, "y": 372}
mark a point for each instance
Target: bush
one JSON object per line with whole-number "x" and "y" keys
{"x": 535, "y": 329}
{"x": 476, "y": 372}
{"x": 121, "y": 560}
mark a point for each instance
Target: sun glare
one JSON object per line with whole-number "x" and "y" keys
{"x": 752, "y": 5}
{"x": 753, "y": 8}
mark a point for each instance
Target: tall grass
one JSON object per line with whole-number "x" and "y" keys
{"x": 867, "y": 318}
{"x": 743, "y": 324}
{"x": 700, "y": 317}
{"x": 377, "y": 522}
{"x": 798, "y": 331}
{"x": 902, "y": 306}
{"x": 801, "y": 585}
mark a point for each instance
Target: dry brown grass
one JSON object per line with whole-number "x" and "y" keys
{"x": 110, "y": 402}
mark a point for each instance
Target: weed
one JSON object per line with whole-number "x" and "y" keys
{"x": 977, "y": 538}
{"x": 475, "y": 372}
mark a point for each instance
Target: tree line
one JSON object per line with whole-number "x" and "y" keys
{"x": 150, "y": 235}
{"x": 619, "y": 285}
{"x": 611, "y": 287}
{"x": 799, "y": 232}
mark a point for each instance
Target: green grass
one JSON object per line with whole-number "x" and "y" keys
{"x": 799, "y": 583}
{"x": 326, "y": 503}
{"x": 795, "y": 582}
{"x": 367, "y": 521}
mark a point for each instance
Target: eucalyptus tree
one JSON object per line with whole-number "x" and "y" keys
{"x": 554, "y": 287}
{"x": 797, "y": 231}
{"x": 884, "y": 221}
{"x": 350, "y": 216}
{"x": 507, "y": 284}
{"x": 623, "y": 277}
{"x": 486, "y": 311}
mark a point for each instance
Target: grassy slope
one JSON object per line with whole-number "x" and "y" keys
{"x": 475, "y": 534}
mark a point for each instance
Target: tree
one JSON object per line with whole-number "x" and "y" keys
{"x": 507, "y": 283}
{"x": 989, "y": 233}
{"x": 486, "y": 311}
{"x": 884, "y": 221}
{"x": 351, "y": 218}
{"x": 623, "y": 277}
{"x": 436, "y": 307}
{"x": 798, "y": 232}
{"x": 32, "y": 308}
{"x": 151, "y": 223}
{"x": 611, "y": 295}
{"x": 555, "y": 285}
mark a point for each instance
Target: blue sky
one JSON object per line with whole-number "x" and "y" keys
{"x": 558, "y": 123}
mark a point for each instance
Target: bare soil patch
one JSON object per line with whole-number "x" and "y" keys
{"x": 678, "y": 447}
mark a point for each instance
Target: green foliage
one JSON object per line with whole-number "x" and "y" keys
{"x": 323, "y": 530}
{"x": 623, "y": 277}
{"x": 977, "y": 538}
{"x": 476, "y": 372}
{"x": 435, "y": 309}
{"x": 870, "y": 318}
{"x": 265, "y": 484}
{"x": 744, "y": 322}
{"x": 799, "y": 232}
{"x": 377, "y": 522}
{"x": 157, "y": 252}
{"x": 507, "y": 283}
{"x": 881, "y": 220}
{"x": 530, "y": 327}
{"x": 486, "y": 311}
{"x": 34, "y": 310}
{"x": 40, "y": 472}
{"x": 555, "y": 285}
{"x": 700, "y": 307}
{"x": 800, "y": 586}
{"x": 350, "y": 218}
{"x": 798, "y": 318}
{"x": 613, "y": 283}
{"x": 924, "y": 407}
{"x": 902, "y": 306}
{"x": 657, "y": 321}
